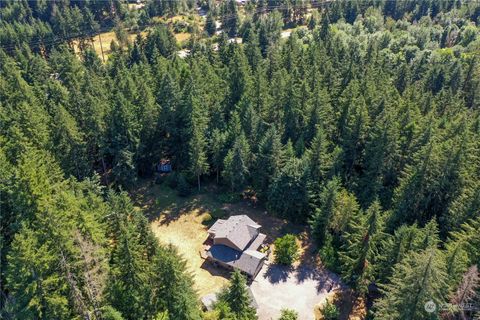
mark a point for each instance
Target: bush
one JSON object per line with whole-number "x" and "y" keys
{"x": 218, "y": 213}
{"x": 183, "y": 187}
{"x": 207, "y": 219}
{"x": 159, "y": 179}
{"x": 330, "y": 311}
{"x": 180, "y": 26}
{"x": 286, "y": 249}
{"x": 229, "y": 197}
{"x": 172, "y": 180}
{"x": 288, "y": 314}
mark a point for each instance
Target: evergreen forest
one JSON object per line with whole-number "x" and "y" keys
{"x": 362, "y": 123}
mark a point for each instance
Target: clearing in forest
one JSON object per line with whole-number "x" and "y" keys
{"x": 183, "y": 222}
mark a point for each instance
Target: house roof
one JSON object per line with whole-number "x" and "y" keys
{"x": 247, "y": 261}
{"x": 257, "y": 242}
{"x": 239, "y": 230}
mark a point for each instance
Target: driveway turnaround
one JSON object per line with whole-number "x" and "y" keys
{"x": 301, "y": 289}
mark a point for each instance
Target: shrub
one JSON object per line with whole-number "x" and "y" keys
{"x": 159, "y": 179}
{"x": 218, "y": 213}
{"x": 330, "y": 311}
{"x": 207, "y": 219}
{"x": 286, "y": 249}
{"x": 171, "y": 180}
{"x": 288, "y": 314}
{"x": 180, "y": 26}
{"x": 183, "y": 187}
{"x": 229, "y": 197}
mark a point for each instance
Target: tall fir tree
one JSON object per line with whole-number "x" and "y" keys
{"x": 363, "y": 247}
{"x": 236, "y": 296}
{"x": 416, "y": 280}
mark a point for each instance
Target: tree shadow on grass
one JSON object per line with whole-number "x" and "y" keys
{"x": 176, "y": 211}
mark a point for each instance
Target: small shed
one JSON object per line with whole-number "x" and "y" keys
{"x": 164, "y": 166}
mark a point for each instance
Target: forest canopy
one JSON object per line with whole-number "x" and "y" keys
{"x": 363, "y": 123}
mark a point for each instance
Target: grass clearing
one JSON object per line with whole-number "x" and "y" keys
{"x": 182, "y": 36}
{"x": 183, "y": 222}
{"x": 180, "y": 222}
{"x": 106, "y": 40}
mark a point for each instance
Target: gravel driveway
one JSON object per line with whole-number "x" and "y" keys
{"x": 277, "y": 287}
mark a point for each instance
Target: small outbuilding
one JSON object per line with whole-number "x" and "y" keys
{"x": 164, "y": 166}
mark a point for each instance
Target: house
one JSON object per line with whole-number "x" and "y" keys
{"x": 235, "y": 244}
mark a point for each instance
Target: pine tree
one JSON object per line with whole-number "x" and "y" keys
{"x": 268, "y": 162}
{"x": 468, "y": 235}
{"x": 322, "y": 215}
{"x": 236, "y": 164}
{"x": 198, "y": 156}
{"x": 457, "y": 261}
{"x": 379, "y": 152}
{"x": 236, "y": 296}
{"x": 354, "y": 134}
{"x": 217, "y": 150}
{"x": 320, "y": 159}
{"x": 252, "y": 50}
{"x": 288, "y": 195}
{"x": 409, "y": 196}
{"x": 231, "y": 19}
{"x": 417, "y": 279}
{"x": 128, "y": 279}
{"x": 362, "y": 248}
{"x": 239, "y": 78}
{"x": 49, "y": 246}
{"x": 174, "y": 285}
{"x": 210, "y": 24}
{"x": 40, "y": 292}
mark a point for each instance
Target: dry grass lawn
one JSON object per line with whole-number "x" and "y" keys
{"x": 107, "y": 38}
{"x": 182, "y": 36}
{"x": 188, "y": 233}
{"x": 179, "y": 221}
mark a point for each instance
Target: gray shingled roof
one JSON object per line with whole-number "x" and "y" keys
{"x": 247, "y": 261}
{"x": 239, "y": 230}
{"x": 257, "y": 242}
